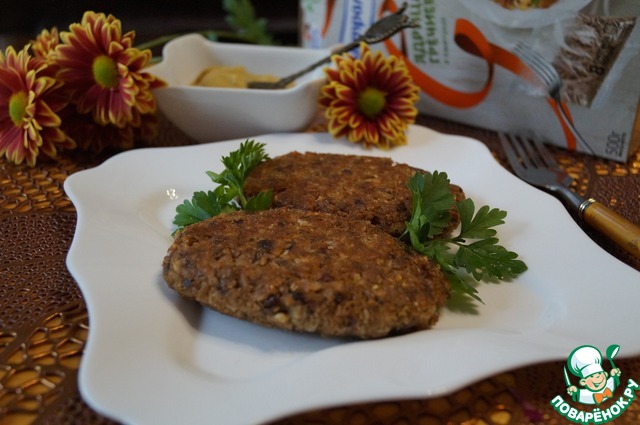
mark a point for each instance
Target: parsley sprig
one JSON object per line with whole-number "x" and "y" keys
{"x": 241, "y": 16}
{"x": 478, "y": 254}
{"x": 229, "y": 195}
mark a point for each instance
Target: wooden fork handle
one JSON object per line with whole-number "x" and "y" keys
{"x": 617, "y": 228}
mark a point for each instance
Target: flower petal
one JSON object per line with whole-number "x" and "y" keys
{"x": 384, "y": 126}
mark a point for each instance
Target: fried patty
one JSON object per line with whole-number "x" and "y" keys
{"x": 362, "y": 187}
{"x": 306, "y": 271}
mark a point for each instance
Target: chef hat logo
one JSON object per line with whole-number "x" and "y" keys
{"x": 584, "y": 361}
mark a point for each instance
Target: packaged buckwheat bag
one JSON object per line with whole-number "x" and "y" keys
{"x": 463, "y": 56}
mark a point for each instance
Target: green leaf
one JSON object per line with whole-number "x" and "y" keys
{"x": 480, "y": 259}
{"x": 432, "y": 201}
{"x": 225, "y": 194}
{"x": 229, "y": 195}
{"x": 239, "y": 164}
{"x": 485, "y": 259}
{"x": 261, "y": 201}
{"x": 241, "y": 16}
{"x": 461, "y": 285}
{"x": 440, "y": 252}
{"x": 481, "y": 225}
{"x": 201, "y": 207}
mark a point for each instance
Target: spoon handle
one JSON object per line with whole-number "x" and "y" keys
{"x": 285, "y": 81}
{"x": 379, "y": 31}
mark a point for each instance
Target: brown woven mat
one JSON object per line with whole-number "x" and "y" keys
{"x": 44, "y": 322}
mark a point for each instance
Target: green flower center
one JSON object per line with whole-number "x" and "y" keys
{"x": 105, "y": 72}
{"x": 371, "y": 102}
{"x": 17, "y": 107}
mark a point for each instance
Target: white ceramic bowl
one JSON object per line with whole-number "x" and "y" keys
{"x": 209, "y": 114}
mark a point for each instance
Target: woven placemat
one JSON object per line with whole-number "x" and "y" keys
{"x": 44, "y": 322}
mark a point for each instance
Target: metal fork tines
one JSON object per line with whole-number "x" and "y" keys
{"x": 553, "y": 82}
{"x": 543, "y": 68}
{"x": 533, "y": 163}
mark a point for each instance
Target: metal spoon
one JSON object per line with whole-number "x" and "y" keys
{"x": 379, "y": 31}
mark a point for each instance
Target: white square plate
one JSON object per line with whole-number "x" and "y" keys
{"x": 154, "y": 358}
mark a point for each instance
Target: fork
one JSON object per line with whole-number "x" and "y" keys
{"x": 553, "y": 82}
{"x": 533, "y": 163}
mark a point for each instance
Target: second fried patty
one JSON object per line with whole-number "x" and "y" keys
{"x": 306, "y": 271}
{"x": 366, "y": 188}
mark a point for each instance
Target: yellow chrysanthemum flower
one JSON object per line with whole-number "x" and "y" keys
{"x": 370, "y": 100}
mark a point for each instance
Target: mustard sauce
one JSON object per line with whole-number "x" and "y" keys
{"x": 229, "y": 77}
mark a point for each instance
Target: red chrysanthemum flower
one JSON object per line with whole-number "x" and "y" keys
{"x": 96, "y": 138}
{"x": 45, "y": 44}
{"x": 103, "y": 71}
{"x": 29, "y": 124}
{"x": 370, "y": 100}
{"x": 90, "y": 136}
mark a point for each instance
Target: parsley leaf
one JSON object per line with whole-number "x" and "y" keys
{"x": 202, "y": 206}
{"x": 241, "y": 16}
{"x": 482, "y": 259}
{"x": 431, "y": 199}
{"x": 229, "y": 195}
{"x": 238, "y": 165}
